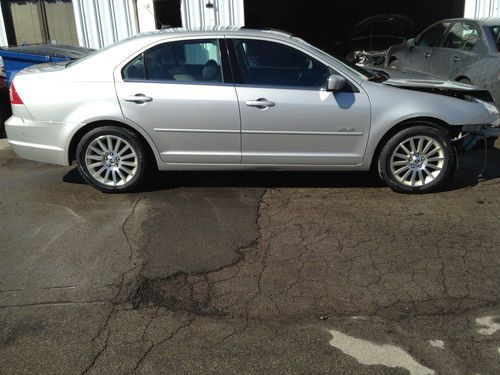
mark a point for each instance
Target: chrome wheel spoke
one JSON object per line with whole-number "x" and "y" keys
{"x": 128, "y": 164}
{"x": 420, "y": 144}
{"x": 101, "y": 145}
{"x": 401, "y": 156}
{"x": 405, "y": 149}
{"x": 94, "y": 157}
{"x": 106, "y": 177}
{"x": 99, "y": 171}
{"x": 109, "y": 142}
{"x": 117, "y": 146}
{"x": 98, "y": 152}
{"x": 399, "y": 163}
{"x": 95, "y": 165}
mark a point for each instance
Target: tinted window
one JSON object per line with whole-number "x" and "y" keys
{"x": 462, "y": 36}
{"x": 495, "y": 31}
{"x": 189, "y": 61}
{"x": 431, "y": 37}
{"x": 274, "y": 64}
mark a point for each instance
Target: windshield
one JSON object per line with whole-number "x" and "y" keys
{"x": 495, "y": 31}
{"x": 353, "y": 68}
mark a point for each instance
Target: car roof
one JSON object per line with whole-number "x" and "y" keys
{"x": 491, "y": 21}
{"x": 207, "y": 31}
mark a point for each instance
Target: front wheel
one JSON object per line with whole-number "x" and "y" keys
{"x": 418, "y": 159}
{"x": 112, "y": 159}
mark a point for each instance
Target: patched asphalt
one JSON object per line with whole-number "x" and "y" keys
{"x": 248, "y": 273}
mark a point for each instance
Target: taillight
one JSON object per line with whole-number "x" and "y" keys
{"x": 14, "y": 96}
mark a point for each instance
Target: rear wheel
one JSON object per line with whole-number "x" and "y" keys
{"x": 419, "y": 159}
{"x": 112, "y": 159}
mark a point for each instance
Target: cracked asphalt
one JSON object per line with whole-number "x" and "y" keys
{"x": 230, "y": 273}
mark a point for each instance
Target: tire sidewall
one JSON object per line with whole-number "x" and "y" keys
{"x": 127, "y": 135}
{"x": 419, "y": 130}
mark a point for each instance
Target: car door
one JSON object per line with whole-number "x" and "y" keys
{"x": 420, "y": 56}
{"x": 181, "y": 93}
{"x": 287, "y": 117}
{"x": 456, "y": 52}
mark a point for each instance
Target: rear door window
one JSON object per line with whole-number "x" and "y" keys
{"x": 187, "y": 61}
{"x": 432, "y": 36}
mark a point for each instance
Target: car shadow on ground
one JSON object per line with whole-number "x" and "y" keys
{"x": 470, "y": 173}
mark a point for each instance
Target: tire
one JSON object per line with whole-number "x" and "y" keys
{"x": 432, "y": 159}
{"x": 395, "y": 64}
{"x": 119, "y": 170}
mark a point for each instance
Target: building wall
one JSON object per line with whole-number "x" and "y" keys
{"x": 195, "y": 13}
{"x": 100, "y": 23}
{"x": 482, "y": 8}
{"x": 3, "y": 33}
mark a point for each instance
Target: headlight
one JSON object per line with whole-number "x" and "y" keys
{"x": 492, "y": 111}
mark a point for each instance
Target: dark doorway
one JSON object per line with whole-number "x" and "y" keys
{"x": 168, "y": 13}
{"x": 328, "y": 25}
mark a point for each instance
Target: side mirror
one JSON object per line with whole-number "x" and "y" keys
{"x": 335, "y": 83}
{"x": 411, "y": 43}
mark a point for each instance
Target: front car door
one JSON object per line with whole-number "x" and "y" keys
{"x": 421, "y": 55}
{"x": 457, "y": 51}
{"x": 287, "y": 117}
{"x": 181, "y": 93}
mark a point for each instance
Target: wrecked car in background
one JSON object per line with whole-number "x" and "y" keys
{"x": 460, "y": 50}
{"x": 371, "y": 37}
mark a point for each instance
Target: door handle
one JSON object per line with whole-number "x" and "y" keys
{"x": 138, "y": 99}
{"x": 427, "y": 55}
{"x": 260, "y": 103}
{"x": 457, "y": 59}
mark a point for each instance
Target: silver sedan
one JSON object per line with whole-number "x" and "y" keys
{"x": 237, "y": 99}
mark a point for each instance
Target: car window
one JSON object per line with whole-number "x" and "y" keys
{"x": 274, "y": 64}
{"x": 432, "y": 36}
{"x": 462, "y": 36}
{"x": 187, "y": 61}
{"x": 495, "y": 32}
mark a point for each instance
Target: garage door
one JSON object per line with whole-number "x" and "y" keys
{"x": 40, "y": 21}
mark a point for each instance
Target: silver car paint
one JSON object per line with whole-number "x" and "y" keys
{"x": 193, "y": 126}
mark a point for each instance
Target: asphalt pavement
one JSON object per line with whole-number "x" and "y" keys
{"x": 255, "y": 273}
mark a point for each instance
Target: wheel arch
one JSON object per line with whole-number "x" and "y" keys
{"x": 148, "y": 143}
{"x": 462, "y": 78}
{"x": 430, "y": 121}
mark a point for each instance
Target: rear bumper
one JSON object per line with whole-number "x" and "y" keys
{"x": 36, "y": 141}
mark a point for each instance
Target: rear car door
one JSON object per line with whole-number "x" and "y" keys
{"x": 456, "y": 52}
{"x": 421, "y": 55}
{"x": 287, "y": 117}
{"x": 181, "y": 93}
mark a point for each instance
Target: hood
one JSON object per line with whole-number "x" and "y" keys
{"x": 448, "y": 88}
